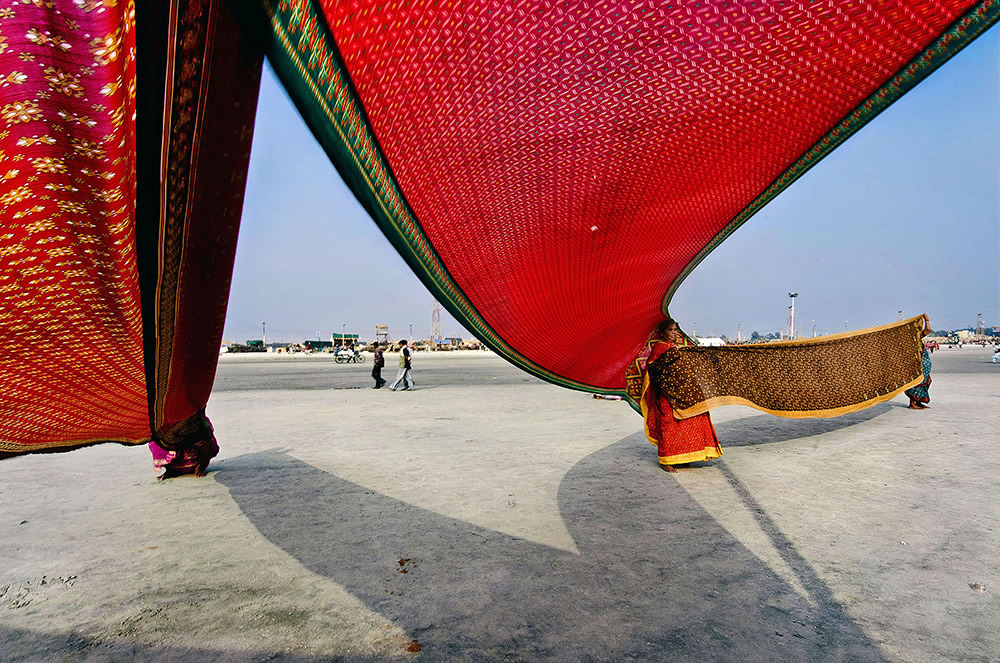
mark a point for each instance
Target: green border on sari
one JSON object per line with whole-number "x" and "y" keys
{"x": 303, "y": 52}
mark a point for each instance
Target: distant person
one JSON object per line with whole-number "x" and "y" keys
{"x": 404, "y": 369}
{"x": 677, "y": 441}
{"x": 377, "y": 368}
{"x": 919, "y": 395}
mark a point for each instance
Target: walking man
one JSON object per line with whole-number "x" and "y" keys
{"x": 377, "y": 368}
{"x": 404, "y": 369}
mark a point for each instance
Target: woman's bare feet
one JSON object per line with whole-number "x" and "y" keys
{"x": 668, "y": 468}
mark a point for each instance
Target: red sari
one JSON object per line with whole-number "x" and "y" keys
{"x": 677, "y": 441}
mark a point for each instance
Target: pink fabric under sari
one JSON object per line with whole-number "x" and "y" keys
{"x": 180, "y": 462}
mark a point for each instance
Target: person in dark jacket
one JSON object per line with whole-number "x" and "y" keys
{"x": 377, "y": 368}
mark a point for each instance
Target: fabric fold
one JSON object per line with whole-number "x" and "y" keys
{"x": 825, "y": 376}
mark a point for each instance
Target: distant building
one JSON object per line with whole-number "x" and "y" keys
{"x": 710, "y": 341}
{"x": 339, "y": 340}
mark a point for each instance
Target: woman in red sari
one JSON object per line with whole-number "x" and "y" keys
{"x": 677, "y": 442}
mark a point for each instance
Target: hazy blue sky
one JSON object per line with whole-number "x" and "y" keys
{"x": 905, "y": 215}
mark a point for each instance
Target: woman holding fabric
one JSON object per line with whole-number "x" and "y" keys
{"x": 677, "y": 441}
{"x": 919, "y": 395}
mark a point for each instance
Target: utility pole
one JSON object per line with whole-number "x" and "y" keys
{"x": 436, "y": 334}
{"x": 263, "y": 333}
{"x": 791, "y": 325}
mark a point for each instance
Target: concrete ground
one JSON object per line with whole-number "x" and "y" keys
{"x": 488, "y": 516}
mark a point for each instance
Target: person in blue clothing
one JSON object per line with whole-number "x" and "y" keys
{"x": 919, "y": 395}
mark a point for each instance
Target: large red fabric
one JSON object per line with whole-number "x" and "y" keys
{"x": 117, "y": 237}
{"x": 71, "y": 363}
{"x": 569, "y": 160}
{"x": 563, "y": 164}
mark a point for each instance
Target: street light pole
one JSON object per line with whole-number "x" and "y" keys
{"x": 263, "y": 333}
{"x": 343, "y": 334}
{"x": 814, "y": 329}
{"x": 411, "y": 332}
{"x": 791, "y": 326}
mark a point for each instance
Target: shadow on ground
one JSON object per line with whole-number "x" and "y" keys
{"x": 656, "y": 578}
{"x": 29, "y": 646}
{"x": 767, "y": 428}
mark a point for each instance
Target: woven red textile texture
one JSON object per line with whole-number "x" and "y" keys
{"x": 71, "y": 365}
{"x": 568, "y": 160}
{"x": 217, "y": 71}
